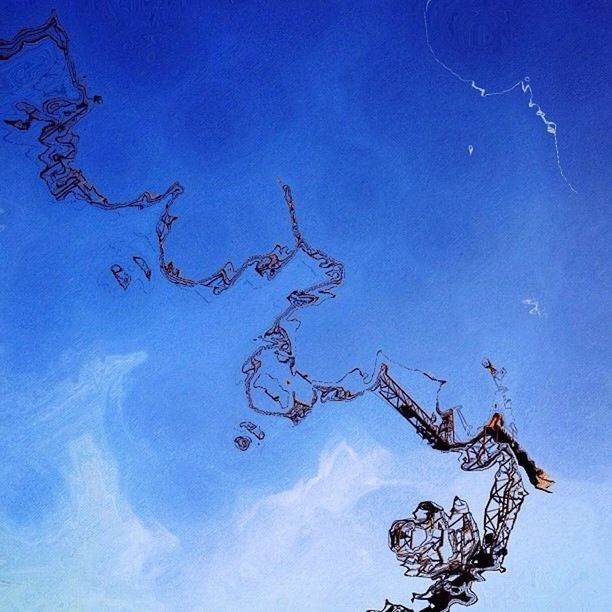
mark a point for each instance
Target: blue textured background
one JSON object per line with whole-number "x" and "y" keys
{"x": 120, "y": 407}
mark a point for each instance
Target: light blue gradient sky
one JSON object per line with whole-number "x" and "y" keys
{"x": 121, "y": 487}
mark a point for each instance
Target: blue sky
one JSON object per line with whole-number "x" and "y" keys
{"x": 120, "y": 406}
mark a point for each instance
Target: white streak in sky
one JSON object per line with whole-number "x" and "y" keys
{"x": 524, "y": 85}
{"x": 535, "y": 306}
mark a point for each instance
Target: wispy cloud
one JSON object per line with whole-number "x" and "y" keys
{"x": 87, "y": 550}
{"x": 319, "y": 544}
{"x": 93, "y": 555}
{"x": 304, "y": 548}
{"x": 322, "y": 543}
{"x": 534, "y": 305}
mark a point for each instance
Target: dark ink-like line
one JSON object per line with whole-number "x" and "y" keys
{"x": 59, "y": 117}
{"x": 449, "y": 549}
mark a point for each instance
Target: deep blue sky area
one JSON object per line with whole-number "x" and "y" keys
{"x": 445, "y": 253}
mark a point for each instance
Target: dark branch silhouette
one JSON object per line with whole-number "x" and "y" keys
{"x": 121, "y": 276}
{"x": 59, "y": 117}
{"x": 446, "y": 547}
{"x": 143, "y": 265}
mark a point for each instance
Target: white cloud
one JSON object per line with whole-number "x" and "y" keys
{"x": 310, "y": 547}
{"x": 94, "y": 555}
{"x": 48, "y": 414}
{"x": 534, "y": 307}
{"x": 89, "y": 552}
{"x": 320, "y": 544}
